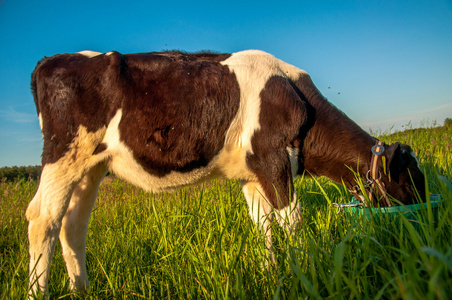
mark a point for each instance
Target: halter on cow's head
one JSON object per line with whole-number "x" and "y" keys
{"x": 393, "y": 173}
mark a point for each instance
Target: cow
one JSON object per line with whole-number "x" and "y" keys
{"x": 165, "y": 120}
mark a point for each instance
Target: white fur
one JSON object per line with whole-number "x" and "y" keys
{"x": 75, "y": 225}
{"x": 289, "y": 216}
{"x": 89, "y": 53}
{"x": 229, "y": 162}
{"x": 41, "y": 124}
{"x": 252, "y": 69}
{"x": 258, "y": 205}
{"x": 259, "y": 210}
{"x": 293, "y": 157}
{"x": 262, "y": 213}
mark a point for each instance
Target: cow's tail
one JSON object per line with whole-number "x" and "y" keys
{"x": 34, "y": 87}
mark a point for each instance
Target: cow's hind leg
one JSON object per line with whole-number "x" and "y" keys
{"x": 44, "y": 214}
{"x": 75, "y": 226}
{"x": 46, "y": 211}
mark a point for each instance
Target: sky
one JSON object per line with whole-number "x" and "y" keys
{"x": 386, "y": 64}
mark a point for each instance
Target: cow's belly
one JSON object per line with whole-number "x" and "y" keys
{"x": 229, "y": 163}
{"x": 126, "y": 167}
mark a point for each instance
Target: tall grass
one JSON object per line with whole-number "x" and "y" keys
{"x": 199, "y": 242}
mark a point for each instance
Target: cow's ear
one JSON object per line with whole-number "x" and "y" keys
{"x": 392, "y": 152}
{"x": 394, "y": 162}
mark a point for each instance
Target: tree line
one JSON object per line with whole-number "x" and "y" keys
{"x": 16, "y": 173}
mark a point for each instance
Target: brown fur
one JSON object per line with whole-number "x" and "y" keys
{"x": 333, "y": 145}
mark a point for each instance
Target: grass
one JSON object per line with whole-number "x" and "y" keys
{"x": 199, "y": 242}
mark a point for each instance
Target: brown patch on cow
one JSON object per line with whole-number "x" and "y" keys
{"x": 72, "y": 90}
{"x": 282, "y": 115}
{"x": 177, "y": 108}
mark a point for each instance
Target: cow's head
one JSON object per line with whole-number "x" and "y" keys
{"x": 404, "y": 179}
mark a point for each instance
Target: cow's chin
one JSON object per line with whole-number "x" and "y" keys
{"x": 406, "y": 193}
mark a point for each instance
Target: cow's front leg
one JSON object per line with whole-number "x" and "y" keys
{"x": 272, "y": 195}
{"x": 260, "y": 211}
{"x": 263, "y": 213}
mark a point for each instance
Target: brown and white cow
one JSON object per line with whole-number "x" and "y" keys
{"x": 171, "y": 119}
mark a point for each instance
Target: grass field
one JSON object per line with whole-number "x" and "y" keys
{"x": 200, "y": 243}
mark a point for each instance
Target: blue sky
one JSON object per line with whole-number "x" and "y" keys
{"x": 384, "y": 63}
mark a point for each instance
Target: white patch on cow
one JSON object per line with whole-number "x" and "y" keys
{"x": 89, "y": 53}
{"x": 258, "y": 206}
{"x": 252, "y": 68}
{"x": 63, "y": 175}
{"x": 289, "y": 216}
{"x": 263, "y": 213}
{"x": 40, "y": 121}
{"x": 231, "y": 161}
{"x": 109, "y": 53}
{"x": 293, "y": 157}
{"x": 41, "y": 125}
{"x": 259, "y": 210}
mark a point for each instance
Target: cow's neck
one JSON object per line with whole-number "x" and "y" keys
{"x": 334, "y": 144}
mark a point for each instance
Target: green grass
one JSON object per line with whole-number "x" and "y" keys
{"x": 199, "y": 242}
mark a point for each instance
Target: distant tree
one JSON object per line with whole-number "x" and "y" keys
{"x": 15, "y": 173}
{"x": 447, "y": 122}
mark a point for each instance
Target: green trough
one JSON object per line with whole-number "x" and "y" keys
{"x": 413, "y": 212}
